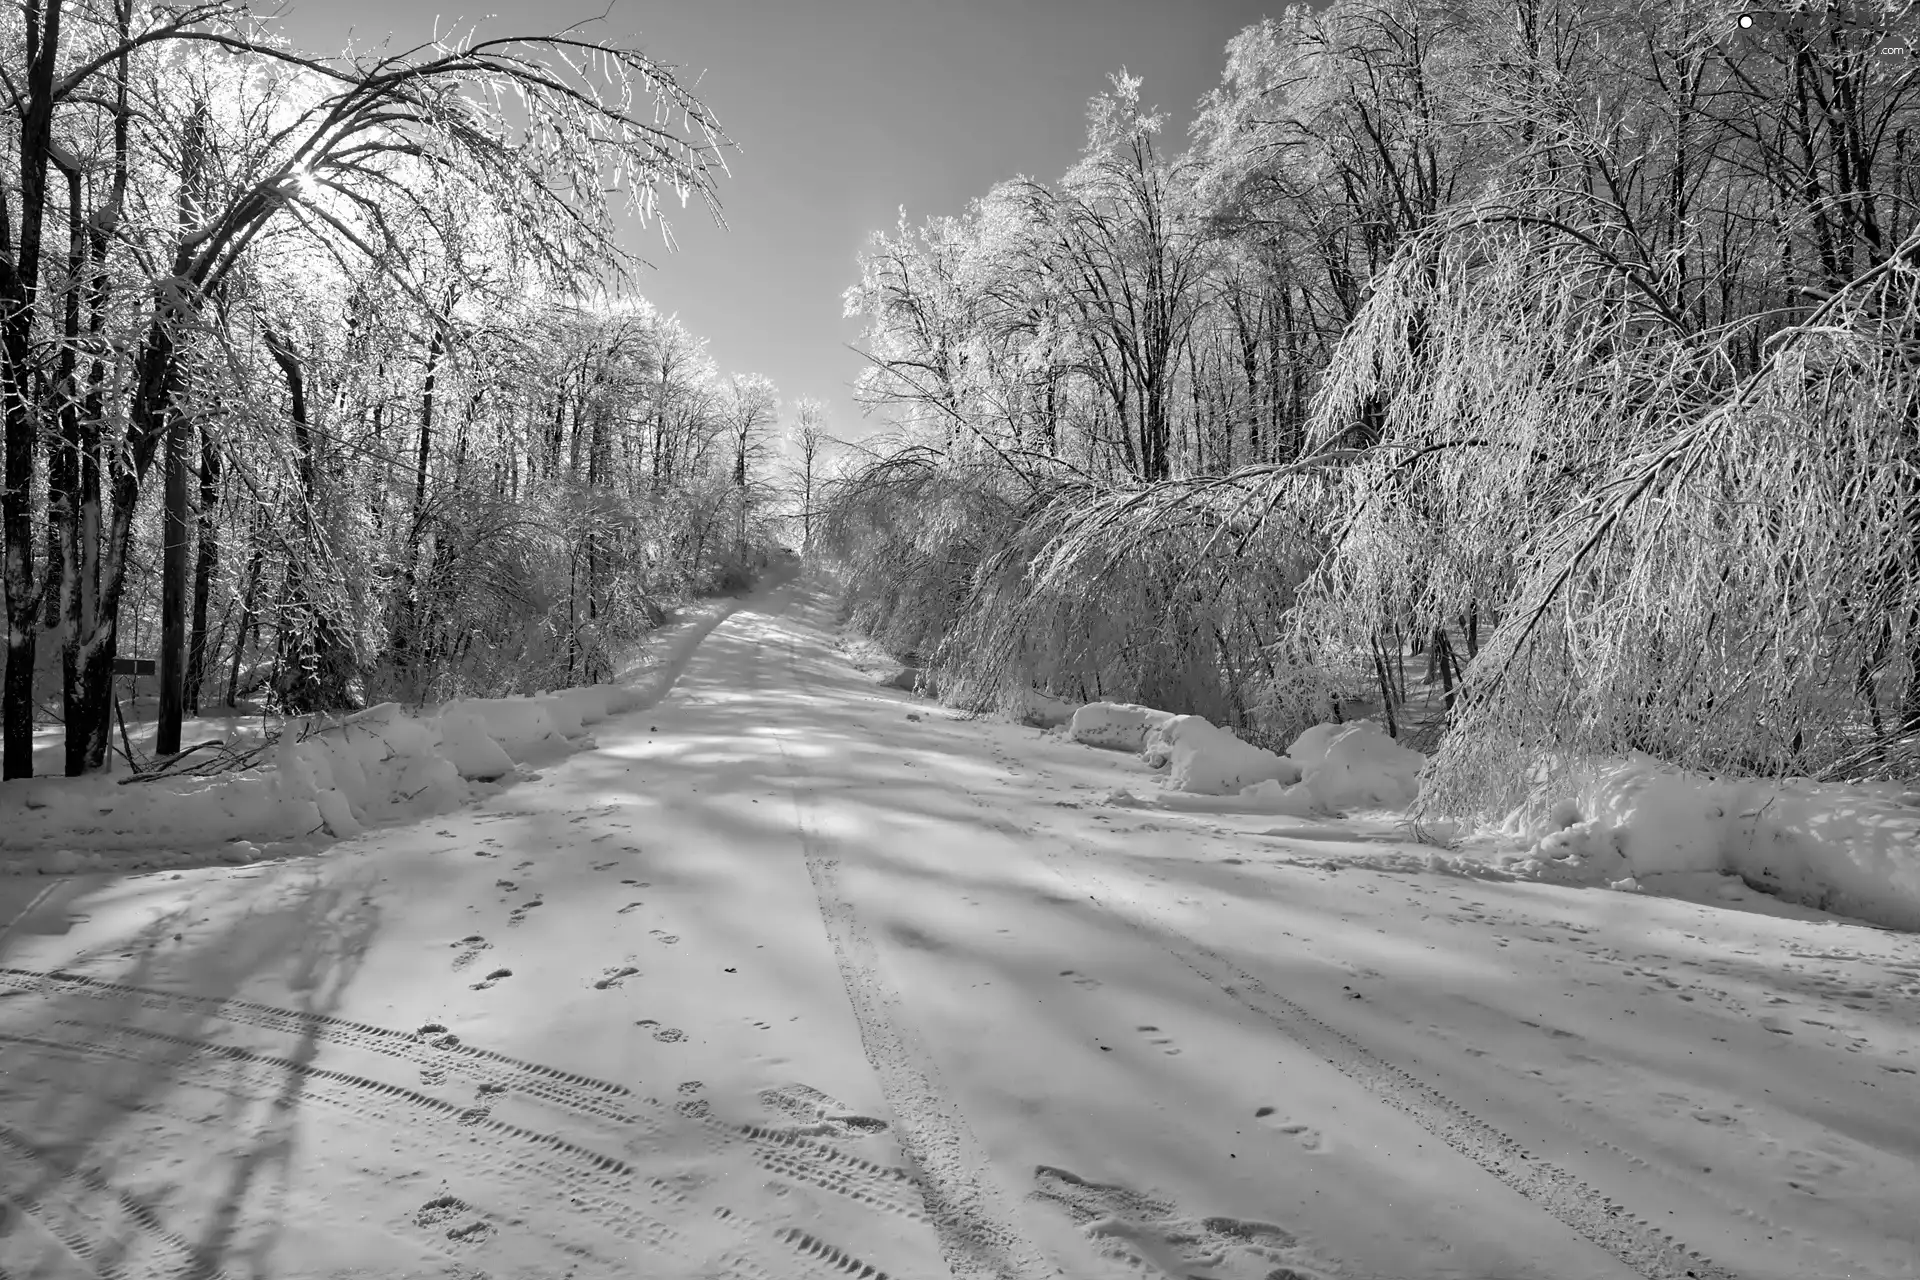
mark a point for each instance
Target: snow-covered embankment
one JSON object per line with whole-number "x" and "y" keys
{"x": 321, "y": 780}
{"x": 1631, "y": 824}
{"x": 1853, "y": 849}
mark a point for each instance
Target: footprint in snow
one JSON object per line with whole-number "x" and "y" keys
{"x": 664, "y": 936}
{"x": 1080, "y": 979}
{"x": 1159, "y": 1040}
{"x": 631, "y": 906}
{"x": 1307, "y": 1136}
{"x": 438, "y": 1210}
{"x": 820, "y": 1114}
{"x": 611, "y": 977}
{"x": 492, "y": 978}
{"x": 470, "y": 948}
{"x": 669, "y": 1035}
{"x": 1152, "y": 1236}
{"x": 519, "y": 913}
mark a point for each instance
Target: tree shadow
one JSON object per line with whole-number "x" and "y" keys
{"x": 88, "y": 1051}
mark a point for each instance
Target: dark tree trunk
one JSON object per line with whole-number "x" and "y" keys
{"x": 88, "y": 647}
{"x": 314, "y": 665}
{"x": 206, "y": 561}
{"x": 406, "y": 642}
{"x": 175, "y": 529}
{"x": 176, "y": 534}
{"x": 23, "y": 403}
{"x": 249, "y": 619}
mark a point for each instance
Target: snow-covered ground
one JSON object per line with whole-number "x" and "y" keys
{"x": 792, "y": 976}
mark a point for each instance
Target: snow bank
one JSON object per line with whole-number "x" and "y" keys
{"x": 1853, "y": 850}
{"x": 476, "y": 753}
{"x": 1044, "y": 711}
{"x": 521, "y": 725}
{"x": 1206, "y": 759}
{"x": 905, "y": 679}
{"x": 1328, "y": 768}
{"x": 1116, "y": 726}
{"x": 1357, "y": 766}
{"x": 378, "y": 766}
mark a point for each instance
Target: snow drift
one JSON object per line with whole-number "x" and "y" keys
{"x": 1850, "y": 849}
{"x": 1116, "y": 726}
{"x": 1329, "y": 768}
{"x": 1357, "y": 766}
{"x": 322, "y": 780}
{"x": 1044, "y": 711}
{"x": 377, "y": 766}
{"x": 1207, "y": 759}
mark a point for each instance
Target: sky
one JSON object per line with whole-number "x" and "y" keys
{"x": 843, "y": 111}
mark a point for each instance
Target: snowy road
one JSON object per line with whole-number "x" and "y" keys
{"x": 793, "y": 978}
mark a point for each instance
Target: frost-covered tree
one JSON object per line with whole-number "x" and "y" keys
{"x": 292, "y": 286}
{"x": 1560, "y": 343}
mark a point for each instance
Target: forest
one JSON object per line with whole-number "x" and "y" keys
{"x": 1331, "y": 692}
{"x": 1561, "y": 353}
{"x": 326, "y": 381}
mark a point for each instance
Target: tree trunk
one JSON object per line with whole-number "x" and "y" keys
{"x": 206, "y": 561}
{"x": 174, "y": 526}
{"x": 313, "y": 662}
{"x": 19, "y": 288}
{"x": 63, "y": 462}
{"x": 405, "y": 641}
{"x": 175, "y": 537}
{"x": 249, "y": 619}
{"x": 86, "y": 664}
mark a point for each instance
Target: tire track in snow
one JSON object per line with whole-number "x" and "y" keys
{"x": 508, "y": 1159}
{"x": 1581, "y": 1208}
{"x": 598, "y": 1187}
{"x": 973, "y": 1217}
{"x": 571, "y": 1091}
{"x": 818, "y": 1163}
{"x": 109, "y": 1231}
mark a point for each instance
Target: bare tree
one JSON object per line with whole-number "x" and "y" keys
{"x": 751, "y": 407}
{"x": 806, "y": 437}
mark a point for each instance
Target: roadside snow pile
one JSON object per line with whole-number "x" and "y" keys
{"x": 378, "y": 766}
{"x": 1329, "y": 768}
{"x": 1116, "y": 726}
{"x": 1209, "y": 760}
{"x": 907, "y": 680}
{"x": 1357, "y": 766}
{"x": 1044, "y": 711}
{"x": 1850, "y": 849}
